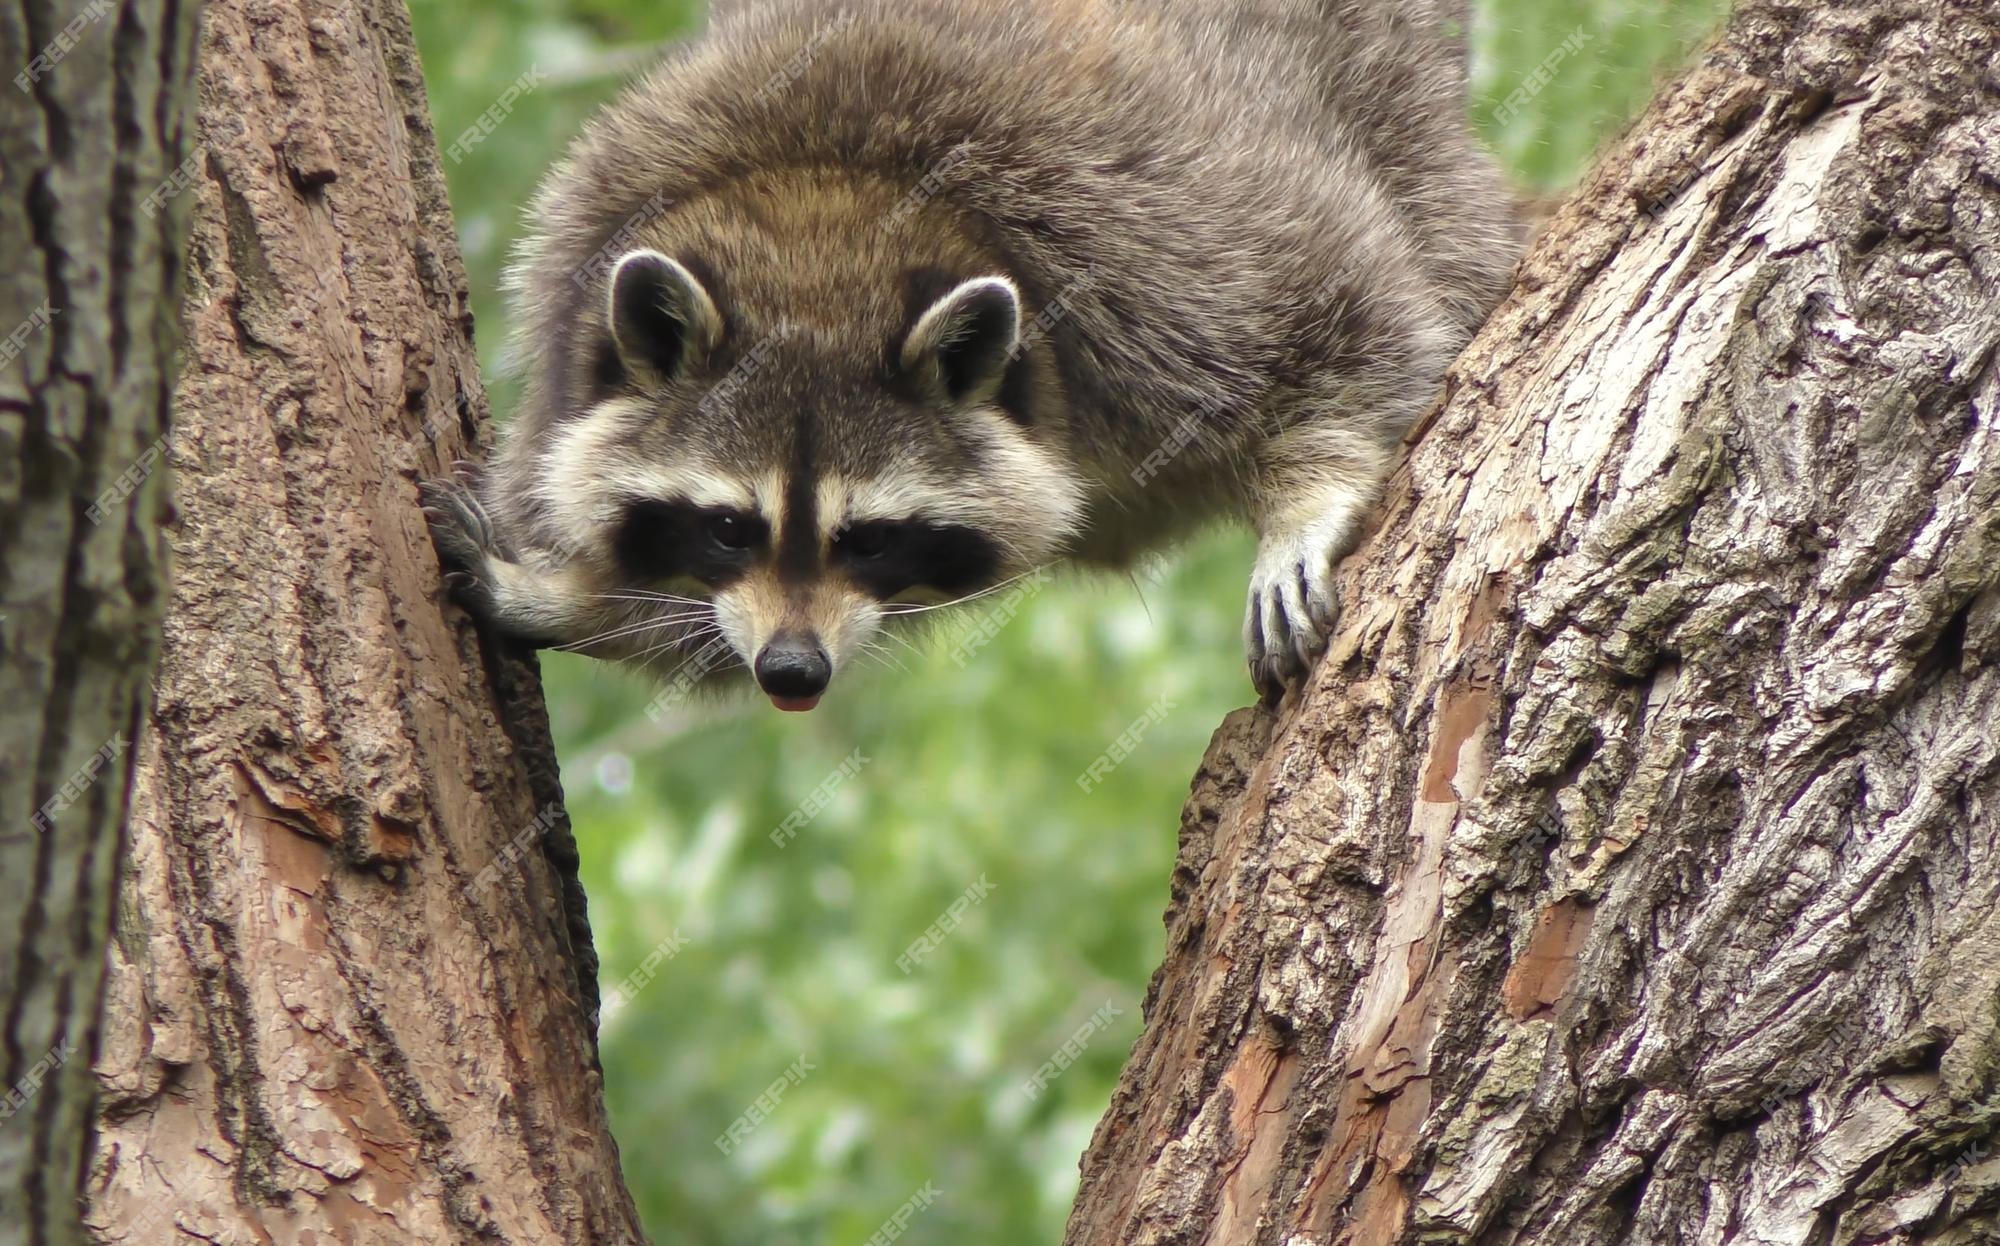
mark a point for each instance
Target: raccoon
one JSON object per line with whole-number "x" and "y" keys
{"x": 853, "y": 310}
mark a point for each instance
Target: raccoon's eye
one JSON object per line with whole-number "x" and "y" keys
{"x": 660, "y": 539}
{"x": 866, "y": 540}
{"x": 731, "y": 533}
{"x": 887, "y": 557}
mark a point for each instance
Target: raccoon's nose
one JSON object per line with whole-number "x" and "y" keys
{"x": 793, "y": 670}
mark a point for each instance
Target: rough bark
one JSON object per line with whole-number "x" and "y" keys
{"x": 350, "y": 992}
{"x": 1631, "y": 871}
{"x": 93, "y": 117}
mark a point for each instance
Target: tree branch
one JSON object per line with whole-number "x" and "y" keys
{"x": 1628, "y": 874}
{"x": 352, "y": 991}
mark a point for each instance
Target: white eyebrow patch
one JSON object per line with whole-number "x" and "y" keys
{"x": 582, "y": 453}
{"x": 830, "y": 499}
{"x": 701, "y": 486}
{"x": 892, "y": 495}
{"x": 767, "y": 498}
{"x": 1028, "y": 499}
{"x": 590, "y": 475}
{"x": 689, "y": 483}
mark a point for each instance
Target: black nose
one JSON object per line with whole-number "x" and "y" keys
{"x": 793, "y": 666}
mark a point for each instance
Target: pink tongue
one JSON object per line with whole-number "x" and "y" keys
{"x": 795, "y": 705}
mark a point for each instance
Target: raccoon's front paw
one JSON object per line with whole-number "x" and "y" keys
{"x": 466, "y": 543}
{"x": 1292, "y": 605}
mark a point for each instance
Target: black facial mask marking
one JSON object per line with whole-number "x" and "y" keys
{"x": 887, "y": 557}
{"x": 659, "y": 540}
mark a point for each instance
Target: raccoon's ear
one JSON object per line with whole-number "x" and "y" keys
{"x": 660, "y": 316}
{"x": 962, "y": 344}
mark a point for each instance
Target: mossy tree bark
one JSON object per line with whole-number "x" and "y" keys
{"x": 94, "y": 117}
{"x": 351, "y": 993}
{"x": 1631, "y": 871}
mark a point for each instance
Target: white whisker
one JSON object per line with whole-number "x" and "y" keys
{"x": 887, "y": 655}
{"x": 902, "y": 640}
{"x": 644, "y": 595}
{"x": 959, "y": 601}
{"x": 692, "y": 658}
{"x": 628, "y": 629}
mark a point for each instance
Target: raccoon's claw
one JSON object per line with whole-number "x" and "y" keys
{"x": 1291, "y": 614}
{"x": 464, "y": 539}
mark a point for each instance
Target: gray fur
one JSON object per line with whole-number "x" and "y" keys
{"x": 1247, "y": 239}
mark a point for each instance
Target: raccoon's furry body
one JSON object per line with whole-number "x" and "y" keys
{"x": 1237, "y": 243}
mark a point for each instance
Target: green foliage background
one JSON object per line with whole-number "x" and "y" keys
{"x": 962, "y": 775}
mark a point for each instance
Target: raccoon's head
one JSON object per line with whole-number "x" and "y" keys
{"x": 806, "y": 477}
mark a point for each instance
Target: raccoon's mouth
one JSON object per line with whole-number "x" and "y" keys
{"x": 795, "y": 705}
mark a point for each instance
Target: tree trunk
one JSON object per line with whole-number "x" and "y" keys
{"x": 351, "y": 992}
{"x": 95, "y": 117}
{"x": 1631, "y": 871}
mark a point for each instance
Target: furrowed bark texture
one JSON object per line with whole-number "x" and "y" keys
{"x": 1631, "y": 872}
{"x": 351, "y": 995}
{"x": 94, "y": 114}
